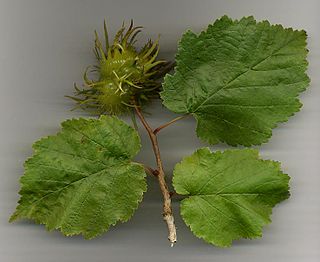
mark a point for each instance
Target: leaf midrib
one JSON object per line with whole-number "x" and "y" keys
{"x": 66, "y": 186}
{"x": 244, "y": 72}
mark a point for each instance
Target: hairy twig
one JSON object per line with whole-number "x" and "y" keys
{"x": 167, "y": 209}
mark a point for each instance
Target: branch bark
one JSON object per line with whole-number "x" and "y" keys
{"x": 167, "y": 209}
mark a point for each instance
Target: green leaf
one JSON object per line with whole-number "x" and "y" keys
{"x": 238, "y": 79}
{"x": 230, "y": 193}
{"x": 82, "y": 180}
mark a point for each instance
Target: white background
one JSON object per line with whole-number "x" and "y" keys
{"x": 46, "y": 45}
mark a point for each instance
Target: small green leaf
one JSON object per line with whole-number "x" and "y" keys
{"x": 82, "y": 180}
{"x": 230, "y": 193}
{"x": 239, "y": 78}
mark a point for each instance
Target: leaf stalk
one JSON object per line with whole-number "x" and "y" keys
{"x": 157, "y": 130}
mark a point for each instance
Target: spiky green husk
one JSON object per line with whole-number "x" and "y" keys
{"x": 126, "y": 76}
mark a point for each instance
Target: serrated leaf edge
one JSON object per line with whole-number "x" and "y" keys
{"x": 257, "y": 157}
{"x": 15, "y": 216}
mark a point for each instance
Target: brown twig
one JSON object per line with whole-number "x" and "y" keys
{"x": 157, "y": 130}
{"x": 167, "y": 209}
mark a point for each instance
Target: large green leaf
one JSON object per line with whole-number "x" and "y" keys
{"x": 238, "y": 79}
{"x": 230, "y": 193}
{"x": 81, "y": 180}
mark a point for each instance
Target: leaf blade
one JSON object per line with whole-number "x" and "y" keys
{"x": 78, "y": 181}
{"x": 230, "y": 194}
{"x": 239, "y": 79}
